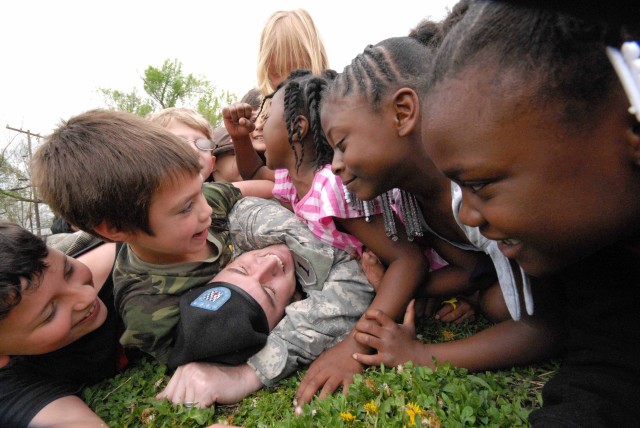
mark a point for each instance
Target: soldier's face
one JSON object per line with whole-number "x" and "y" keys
{"x": 268, "y": 275}
{"x": 62, "y": 308}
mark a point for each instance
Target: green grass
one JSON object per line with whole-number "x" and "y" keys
{"x": 380, "y": 397}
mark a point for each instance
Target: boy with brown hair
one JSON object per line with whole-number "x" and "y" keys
{"x": 125, "y": 179}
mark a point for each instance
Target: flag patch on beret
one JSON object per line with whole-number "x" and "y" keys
{"x": 212, "y": 299}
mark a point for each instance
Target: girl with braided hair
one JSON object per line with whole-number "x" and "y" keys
{"x": 298, "y": 160}
{"x": 381, "y": 85}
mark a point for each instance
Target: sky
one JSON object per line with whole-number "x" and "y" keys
{"x": 56, "y": 54}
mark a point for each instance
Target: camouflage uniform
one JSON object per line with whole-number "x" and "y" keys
{"x": 147, "y": 295}
{"x": 337, "y": 291}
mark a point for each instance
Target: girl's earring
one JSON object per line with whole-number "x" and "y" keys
{"x": 626, "y": 62}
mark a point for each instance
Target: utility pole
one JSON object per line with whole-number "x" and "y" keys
{"x": 33, "y": 190}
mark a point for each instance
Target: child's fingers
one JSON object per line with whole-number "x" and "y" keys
{"x": 469, "y": 315}
{"x": 378, "y": 316}
{"x": 410, "y": 314}
{"x": 368, "y": 359}
{"x": 367, "y": 339}
{"x": 443, "y": 312}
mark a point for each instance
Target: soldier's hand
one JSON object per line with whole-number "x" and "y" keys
{"x": 203, "y": 384}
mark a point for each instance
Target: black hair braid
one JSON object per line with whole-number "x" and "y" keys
{"x": 377, "y": 84}
{"x": 292, "y": 105}
{"x": 329, "y": 74}
{"x": 381, "y": 62}
{"x": 264, "y": 100}
{"x": 324, "y": 152}
{"x": 298, "y": 73}
{"x": 352, "y": 76}
{"x": 394, "y": 62}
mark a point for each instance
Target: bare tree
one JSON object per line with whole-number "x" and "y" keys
{"x": 18, "y": 200}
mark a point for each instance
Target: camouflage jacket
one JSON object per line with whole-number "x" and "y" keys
{"x": 147, "y": 295}
{"x": 337, "y": 292}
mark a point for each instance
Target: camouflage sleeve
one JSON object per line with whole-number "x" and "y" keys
{"x": 221, "y": 198}
{"x": 147, "y": 297}
{"x": 338, "y": 293}
{"x": 71, "y": 243}
{"x": 149, "y": 317}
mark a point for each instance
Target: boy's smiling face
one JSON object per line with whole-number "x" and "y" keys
{"x": 61, "y": 309}
{"x": 179, "y": 217}
{"x": 548, "y": 194}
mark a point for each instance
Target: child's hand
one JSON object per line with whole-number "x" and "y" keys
{"x": 335, "y": 367}
{"x": 456, "y": 309}
{"x": 395, "y": 343}
{"x": 237, "y": 120}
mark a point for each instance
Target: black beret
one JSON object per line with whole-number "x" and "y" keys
{"x": 219, "y": 323}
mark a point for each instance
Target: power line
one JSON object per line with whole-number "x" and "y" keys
{"x": 28, "y": 132}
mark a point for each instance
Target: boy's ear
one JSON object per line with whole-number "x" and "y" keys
{"x": 213, "y": 163}
{"x": 4, "y": 360}
{"x": 406, "y": 106}
{"x": 111, "y": 233}
{"x": 303, "y": 126}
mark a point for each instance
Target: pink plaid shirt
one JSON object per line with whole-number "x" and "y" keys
{"x": 317, "y": 208}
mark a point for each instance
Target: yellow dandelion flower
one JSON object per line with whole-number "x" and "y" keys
{"x": 416, "y": 409}
{"x": 371, "y": 407}
{"x": 412, "y": 416}
{"x": 347, "y": 417}
{"x": 413, "y": 410}
{"x": 448, "y": 336}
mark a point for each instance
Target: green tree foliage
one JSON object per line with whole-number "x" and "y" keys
{"x": 168, "y": 86}
{"x": 126, "y": 101}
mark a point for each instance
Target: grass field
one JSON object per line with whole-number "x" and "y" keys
{"x": 381, "y": 397}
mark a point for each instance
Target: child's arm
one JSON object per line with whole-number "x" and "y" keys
{"x": 507, "y": 344}
{"x": 407, "y": 269}
{"x": 407, "y": 266}
{"x": 237, "y": 120}
{"x": 259, "y": 188}
{"x": 457, "y": 276}
{"x": 69, "y": 411}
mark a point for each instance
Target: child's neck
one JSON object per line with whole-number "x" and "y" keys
{"x": 302, "y": 177}
{"x": 156, "y": 258}
{"x": 434, "y": 198}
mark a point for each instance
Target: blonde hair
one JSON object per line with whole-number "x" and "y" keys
{"x": 188, "y": 116}
{"x": 289, "y": 40}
